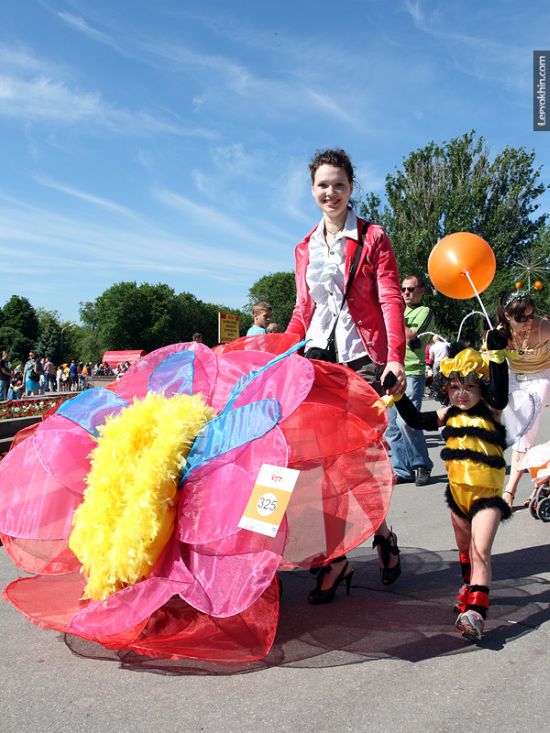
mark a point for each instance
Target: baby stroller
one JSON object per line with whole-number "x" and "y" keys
{"x": 537, "y": 461}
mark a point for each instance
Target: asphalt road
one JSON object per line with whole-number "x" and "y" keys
{"x": 384, "y": 659}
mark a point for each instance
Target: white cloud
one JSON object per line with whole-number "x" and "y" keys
{"x": 237, "y": 76}
{"x": 29, "y": 94}
{"x": 59, "y": 241}
{"x": 229, "y": 228}
{"x": 293, "y": 80}
{"x": 235, "y": 159}
{"x": 278, "y": 94}
{"x": 81, "y": 25}
{"x": 248, "y": 239}
{"x": 43, "y": 98}
{"x": 22, "y": 60}
{"x": 203, "y": 183}
{"x": 293, "y": 189}
{"x": 334, "y": 108}
{"x": 479, "y": 56}
{"x": 145, "y": 159}
{"x": 89, "y": 198}
{"x": 415, "y": 11}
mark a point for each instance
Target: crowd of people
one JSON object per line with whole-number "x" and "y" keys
{"x": 40, "y": 376}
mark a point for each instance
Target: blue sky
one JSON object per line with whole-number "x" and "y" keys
{"x": 168, "y": 140}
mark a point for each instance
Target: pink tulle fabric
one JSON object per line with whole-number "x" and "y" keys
{"x": 213, "y": 593}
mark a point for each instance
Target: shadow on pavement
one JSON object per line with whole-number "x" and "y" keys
{"x": 411, "y": 621}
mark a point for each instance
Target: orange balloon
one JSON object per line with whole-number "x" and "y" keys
{"x": 458, "y": 254}
{"x": 537, "y": 285}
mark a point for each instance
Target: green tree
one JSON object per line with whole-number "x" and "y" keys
{"x": 48, "y": 341}
{"x": 17, "y": 345}
{"x": 278, "y": 289}
{"x": 457, "y": 186}
{"x": 193, "y": 315}
{"x": 143, "y": 316}
{"x": 19, "y": 314}
{"x": 80, "y": 342}
{"x": 161, "y": 309}
{"x": 129, "y": 316}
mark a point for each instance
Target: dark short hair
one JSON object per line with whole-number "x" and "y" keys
{"x": 337, "y": 157}
{"x": 513, "y": 303}
{"x": 420, "y": 279}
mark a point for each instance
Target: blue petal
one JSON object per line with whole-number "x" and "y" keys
{"x": 247, "y": 378}
{"x": 231, "y": 430}
{"x": 174, "y": 374}
{"x": 90, "y": 408}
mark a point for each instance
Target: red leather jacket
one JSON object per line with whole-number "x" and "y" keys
{"x": 374, "y": 301}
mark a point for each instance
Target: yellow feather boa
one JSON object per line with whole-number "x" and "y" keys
{"x": 129, "y": 507}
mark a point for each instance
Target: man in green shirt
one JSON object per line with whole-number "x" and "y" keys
{"x": 409, "y": 452}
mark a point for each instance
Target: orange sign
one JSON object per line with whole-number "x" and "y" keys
{"x": 228, "y": 327}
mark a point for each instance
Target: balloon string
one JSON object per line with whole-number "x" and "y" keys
{"x": 478, "y": 297}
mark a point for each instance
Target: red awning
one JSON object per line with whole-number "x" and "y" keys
{"x": 117, "y": 357}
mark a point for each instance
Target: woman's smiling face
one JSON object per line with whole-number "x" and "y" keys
{"x": 331, "y": 190}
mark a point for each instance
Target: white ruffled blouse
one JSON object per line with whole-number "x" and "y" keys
{"x": 325, "y": 276}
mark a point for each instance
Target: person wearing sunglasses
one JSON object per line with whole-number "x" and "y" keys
{"x": 410, "y": 460}
{"x": 529, "y": 360}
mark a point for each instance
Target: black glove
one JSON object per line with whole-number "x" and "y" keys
{"x": 496, "y": 339}
{"x": 389, "y": 380}
{"x": 414, "y": 418}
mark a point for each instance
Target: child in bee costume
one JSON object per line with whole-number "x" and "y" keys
{"x": 474, "y": 387}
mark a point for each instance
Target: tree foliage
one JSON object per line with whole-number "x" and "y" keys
{"x": 278, "y": 289}
{"x": 80, "y": 342}
{"x": 194, "y": 315}
{"x": 19, "y": 314}
{"x": 457, "y": 186}
{"x": 17, "y": 345}
{"x": 49, "y": 341}
{"x": 128, "y": 315}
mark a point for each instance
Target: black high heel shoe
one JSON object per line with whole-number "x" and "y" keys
{"x": 318, "y": 596}
{"x": 388, "y": 546}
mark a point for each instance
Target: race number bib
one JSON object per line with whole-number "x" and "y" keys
{"x": 269, "y": 499}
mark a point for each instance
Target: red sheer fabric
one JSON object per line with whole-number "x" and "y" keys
{"x": 175, "y": 630}
{"x": 23, "y": 434}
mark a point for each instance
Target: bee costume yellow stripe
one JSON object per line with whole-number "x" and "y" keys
{"x": 474, "y": 459}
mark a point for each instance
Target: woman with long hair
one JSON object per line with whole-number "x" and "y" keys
{"x": 529, "y": 360}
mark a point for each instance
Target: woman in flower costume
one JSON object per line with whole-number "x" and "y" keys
{"x": 125, "y": 503}
{"x": 476, "y": 387}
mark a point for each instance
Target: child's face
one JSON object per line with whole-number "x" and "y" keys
{"x": 463, "y": 395}
{"x": 262, "y": 319}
